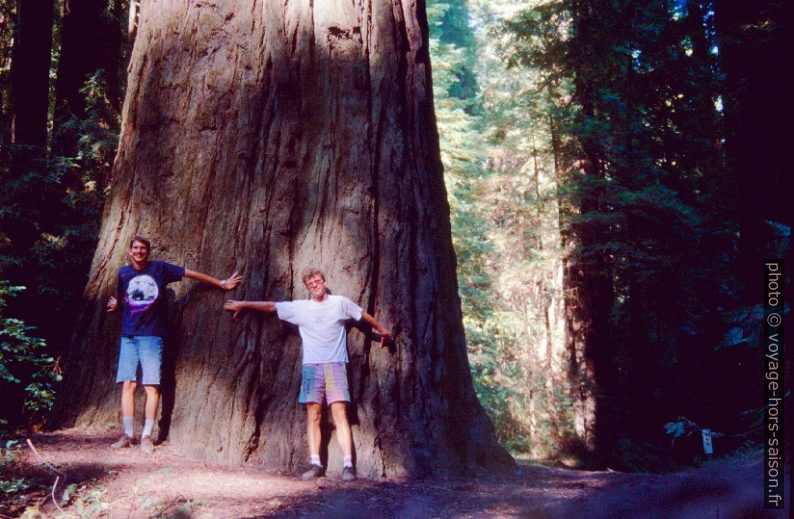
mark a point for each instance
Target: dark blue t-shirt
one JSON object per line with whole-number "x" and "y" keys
{"x": 143, "y": 292}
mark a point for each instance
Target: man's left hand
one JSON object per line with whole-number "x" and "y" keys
{"x": 385, "y": 338}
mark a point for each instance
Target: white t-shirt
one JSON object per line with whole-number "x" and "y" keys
{"x": 321, "y": 325}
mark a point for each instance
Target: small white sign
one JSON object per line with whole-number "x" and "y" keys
{"x": 706, "y": 433}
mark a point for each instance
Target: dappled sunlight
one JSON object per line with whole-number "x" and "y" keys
{"x": 130, "y": 481}
{"x": 130, "y": 484}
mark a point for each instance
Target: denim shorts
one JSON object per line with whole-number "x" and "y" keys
{"x": 144, "y": 349}
{"x": 324, "y": 382}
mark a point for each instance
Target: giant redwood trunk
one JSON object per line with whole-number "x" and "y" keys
{"x": 267, "y": 136}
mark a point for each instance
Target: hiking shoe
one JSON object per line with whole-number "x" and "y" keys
{"x": 147, "y": 447}
{"x": 315, "y": 471}
{"x": 122, "y": 443}
{"x": 348, "y": 474}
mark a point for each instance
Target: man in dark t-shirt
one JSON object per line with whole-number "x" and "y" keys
{"x": 141, "y": 286}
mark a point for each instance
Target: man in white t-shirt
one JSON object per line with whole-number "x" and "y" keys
{"x": 321, "y": 323}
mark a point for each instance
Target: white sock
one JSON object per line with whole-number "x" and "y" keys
{"x": 315, "y": 460}
{"x": 127, "y": 422}
{"x": 147, "y": 427}
{"x": 347, "y": 461}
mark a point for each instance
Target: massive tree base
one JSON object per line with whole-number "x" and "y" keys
{"x": 266, "y": 137}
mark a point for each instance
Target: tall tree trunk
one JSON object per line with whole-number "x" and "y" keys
{"x": 265, "y": 137}
{"x": 90, "y": 44}
{"x": 545, "y": 299}
{"x": 530, "y": 365}
{"x": 551, "y": 399}
{"x": 7, "y": 15}
{"x": 133, "y": 14}
{"x": 591, "y": 275}
{"x": 26, "y": 190}
{"x": 581, "y": 381}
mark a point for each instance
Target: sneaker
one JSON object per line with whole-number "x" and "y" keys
{"x": 147, "y": 447}
{"x": 122, "y": 443}
{"x": 348, "y": 474}
{"x": 315, "y": 471}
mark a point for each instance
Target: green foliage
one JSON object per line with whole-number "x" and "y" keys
{"x": 642, "y": 456}
{"x": 520, "y": 203}
{"x": 632, "y": 90}
{"x": 449, "y": 27}
{"x": 96, "y": 133}
{"x": 599, "y": 149}
{"x": 495, "y": 148}
{"x": 464, "y": 156}
{"x": 63, "y": 254}
{"x": 50, "y": 209}
{"x": 11, "y": 486}
{"x": 48, "y": 244}
{"x": 462, "y": 150}
{"x": 14, "y": 486}
{"x": 23, "y": 364}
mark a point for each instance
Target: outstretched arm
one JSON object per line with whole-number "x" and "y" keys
{"x": 385, "y": 334}
{"x": 238, "y": 306}
{"x": 225, "y": 284}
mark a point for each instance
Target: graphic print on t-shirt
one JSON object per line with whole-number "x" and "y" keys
{"x": 142, "y": 292}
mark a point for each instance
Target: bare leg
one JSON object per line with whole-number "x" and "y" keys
{"x": 127, "y": 412}
{"x": 313, "y": 413}
{"x": 152, "y": 399}
{"x": 128, "y": 398}
{"x": 343, "y": 435}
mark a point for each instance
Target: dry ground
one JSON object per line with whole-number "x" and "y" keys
{"x": 129, "y": 484}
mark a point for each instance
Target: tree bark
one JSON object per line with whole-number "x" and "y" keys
{"x": 590, "y": 271}
{"x": 580, "y": 374}
{"x": 545, "y": 299}
{"x": 133, "y": 12}
{"x": 7, "y": 16}
{"x": 266, "y": 137}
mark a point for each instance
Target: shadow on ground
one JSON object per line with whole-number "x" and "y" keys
{"x": 730, "y": 488}
{"x": 132, "y": 484}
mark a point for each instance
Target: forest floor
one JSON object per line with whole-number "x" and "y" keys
{"x": 129, "y": 484}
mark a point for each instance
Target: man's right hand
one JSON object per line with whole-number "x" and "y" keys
{"x": 113, "y": 304}
{"x": 233, "y": 306}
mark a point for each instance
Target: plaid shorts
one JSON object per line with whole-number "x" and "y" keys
{"x": 324, "y": 381}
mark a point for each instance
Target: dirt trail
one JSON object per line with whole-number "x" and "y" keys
{"x": 129, "y": 484}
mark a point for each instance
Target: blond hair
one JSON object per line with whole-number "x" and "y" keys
{"x": 311, "y": 272}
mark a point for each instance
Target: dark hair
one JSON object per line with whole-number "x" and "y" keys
{"x": 141, "y": 239}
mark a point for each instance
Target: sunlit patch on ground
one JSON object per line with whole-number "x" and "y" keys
{"x": 100, "y": 482}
